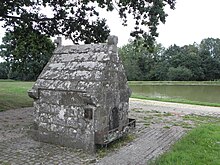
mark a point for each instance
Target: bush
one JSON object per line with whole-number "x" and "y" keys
{"x": 179, "y": 74}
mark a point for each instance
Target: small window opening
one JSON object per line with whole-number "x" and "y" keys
{"x": 88, "y": 113}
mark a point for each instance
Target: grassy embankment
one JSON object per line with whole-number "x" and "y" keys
{"x": 174, "y": 82}
{"x": 200, "y": 146}
{"x": 175, "y": 100}
{"x": 13, "y": 94}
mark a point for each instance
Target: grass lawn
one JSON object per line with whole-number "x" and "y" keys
{"x": 199, "y": 147}
{"x": 13, "y": 94}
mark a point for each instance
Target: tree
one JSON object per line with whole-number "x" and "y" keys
{"x": 173, "y": 56}
{"x": 130, "y": 58}
{"x": 186, "y": 57}
{"x": 139, "y": 61}
{"x": 27, "y": 52}
{"x": 80, "y": 20}
{"x": 192, "y": 61}
{"x": 4, "y": 70}
{"x": 209, "y": 51}
{"x": 160, "y": 66}
{"x": 179, "y": 74}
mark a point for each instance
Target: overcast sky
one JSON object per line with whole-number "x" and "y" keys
{"x": 191, "y": 21}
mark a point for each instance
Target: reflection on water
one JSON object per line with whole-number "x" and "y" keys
{"x": 202, "y": 93}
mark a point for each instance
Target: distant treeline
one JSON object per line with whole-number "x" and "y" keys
{"x": 190, "y": 62}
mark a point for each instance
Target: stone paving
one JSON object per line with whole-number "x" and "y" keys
{"x": 24, "y": 150}
{"x": 157, "y": 129}
{"x": 150, "y": 144}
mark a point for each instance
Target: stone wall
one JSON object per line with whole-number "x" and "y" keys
{"x": 59, "y": 119}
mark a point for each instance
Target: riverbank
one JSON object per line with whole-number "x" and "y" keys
{"x": 217, "y": 83}
{"x": 204, "y": 93}
{"x": 179, "y": 108}
{"x": 175, "y": 100}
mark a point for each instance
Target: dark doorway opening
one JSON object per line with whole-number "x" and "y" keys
{"x": 114, "y": 119}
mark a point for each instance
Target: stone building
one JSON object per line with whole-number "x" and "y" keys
{"x": 81, "y": 98}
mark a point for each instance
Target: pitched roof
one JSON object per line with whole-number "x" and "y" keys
{"x": 79, "y": 67}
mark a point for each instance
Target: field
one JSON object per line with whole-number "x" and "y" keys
{"x": 13, "y": 94}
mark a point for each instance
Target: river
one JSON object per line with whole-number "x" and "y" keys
{"x": 201, "y": 93}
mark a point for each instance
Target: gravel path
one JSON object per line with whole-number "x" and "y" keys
{"x": 174, "y": 107}
{"x": 159, "y": 125}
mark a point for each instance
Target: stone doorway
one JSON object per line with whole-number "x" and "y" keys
{"x": 114, "y": 119}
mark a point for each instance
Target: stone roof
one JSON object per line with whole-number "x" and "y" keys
{"x": 81, "y": 67}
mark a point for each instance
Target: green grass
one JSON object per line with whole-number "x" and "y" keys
{"x": 201, "y": 146}
{"x": 174, "y": 83}
{"x": 175, "y": 100}
{"x": 13, "y": 94}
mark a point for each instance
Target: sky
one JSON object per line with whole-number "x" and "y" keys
{"x": 191, "y": 21}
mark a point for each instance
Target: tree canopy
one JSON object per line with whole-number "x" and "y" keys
{"x": 26, "y": 52}
{"x": 79, "y": 20}
{"x": 189, "y": 62}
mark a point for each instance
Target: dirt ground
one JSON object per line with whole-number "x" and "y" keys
{"x": 15, "y": 123}
{"x": 163, "y": 114}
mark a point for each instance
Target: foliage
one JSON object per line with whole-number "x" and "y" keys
{"x": 200, "y": 146}
{"x": 179, "y": 74}
{"x": 13, "y": 94}
{"x": 139, "y": 60}
{"x": 27, "y": 52}
{"x": 4, "y": 70}
{"x": 80, "y": 20}
{"x": 194, "y": 62}
{"x": 210, "y": 54}
{"x": 27, "y": 49}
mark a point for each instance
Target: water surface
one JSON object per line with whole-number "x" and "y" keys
{"x": 201, "y": 93}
